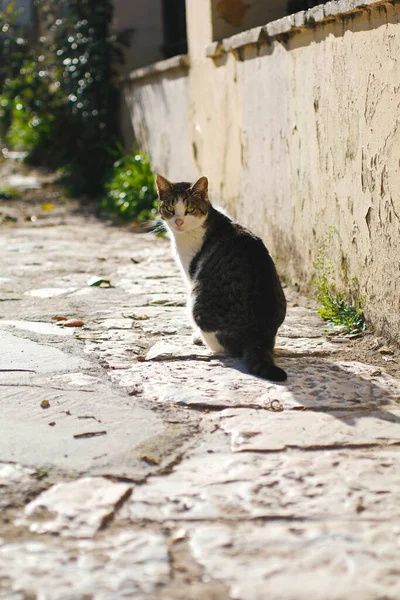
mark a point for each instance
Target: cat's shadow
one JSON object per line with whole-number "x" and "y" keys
{"x": 347, "y": 390}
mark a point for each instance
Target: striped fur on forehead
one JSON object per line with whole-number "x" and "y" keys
{"x": 183, "y": 191}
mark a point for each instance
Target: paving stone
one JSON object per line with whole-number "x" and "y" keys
{"x": 182, "y": 348}
{"x": 27, "y": 438}
{"x": 222, "y": 382}
{"x": 116, "y": 323}
{"x": 298, "y": 347}
{"x": 117, "y": 565}
{"x": 349, "y": 484}
{"x": 116, "y": 348}
{"x": 11, "y": 474}
{"x": 165, "y": 321}
{"x": 297, "y": 561}
{"x": 78, "y": 508}
{"x": 37, "y": 327}
{"x": 21, "y": 353}
{"x": 73, "y": 380}
{"x": 50, "y": 292}
{"x": 262, "y": 431}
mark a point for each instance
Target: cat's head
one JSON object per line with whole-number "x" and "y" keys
{"x": 183, "y": 206}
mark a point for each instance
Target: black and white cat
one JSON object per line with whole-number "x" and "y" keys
{"x": 236, "y": 300}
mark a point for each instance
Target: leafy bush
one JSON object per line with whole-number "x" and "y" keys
{"x": 14, "y": 52}
{"x": 59, "y": 101}
{"x": 131, "y": 194}
{"x": 83, "y": 54}
{"x": 31, "y": 105}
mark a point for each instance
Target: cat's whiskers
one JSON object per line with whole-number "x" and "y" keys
{"x": 155, "y": 226}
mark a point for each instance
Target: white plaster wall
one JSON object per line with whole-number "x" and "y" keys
{"x": 159, "y": 112}
{"x": 320, "y": 122}
{"x": 302, "y": 136}
{"x": 296, "y": 137}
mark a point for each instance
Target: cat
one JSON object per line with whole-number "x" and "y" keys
{"x": 236, "y": 298}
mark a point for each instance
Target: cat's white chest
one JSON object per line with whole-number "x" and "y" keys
{"x": 187, "y": 245}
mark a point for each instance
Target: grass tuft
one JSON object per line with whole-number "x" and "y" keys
{"x": 335, "y": 307}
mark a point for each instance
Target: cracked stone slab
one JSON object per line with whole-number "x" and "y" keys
{"x": 175, "y": 374}
{"x": 296, "y": 346}
{"x": 117, "y": 323}
{"x": 301, "y": 322}
{"x": 73, "y": 380}
{"x": 11, "y": 474}
{"x": 163, "y": 321}
{"x": 50, "y": 292}
{"x": 351, "y": 484}
{"x": 78, "y": 404}
{"x": 37, "y": 327}
{"x": 302, "y": 333}
{"x": 296, "y": 561}
{"x": 117, "y": 565}
{"x": 119, "y": 347}
{"x": 75, "y": 509}
{"x": 260, "y": 431}
{"x": 167, "y": 299}
{"x": 20, "y": 353}
{"x": 181, "y": 348}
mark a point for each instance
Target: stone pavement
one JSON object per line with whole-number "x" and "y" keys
{"x": 136, "y": 465}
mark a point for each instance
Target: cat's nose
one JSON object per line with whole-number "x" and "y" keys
{"x": 179, "y": 222}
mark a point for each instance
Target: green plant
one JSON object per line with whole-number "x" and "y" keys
{"x": 29, "y": 99}
{"x": 13, "y": 53}
{"x": 8, "y": 193}
{"x": 83, "y": 55}
{"x": 131, "y": 194}
{"x": 32, "y": 106}
{"x": 335, "y": 307}
{"x": 13, "y": 46}
{"x": 58, "y": 97}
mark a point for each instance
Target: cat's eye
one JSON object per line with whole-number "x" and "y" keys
{"x": 190, "y": 210}
{"x": 169, "y": 208}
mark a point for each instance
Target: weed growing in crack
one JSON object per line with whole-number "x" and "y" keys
{"x": 335, "y": 307}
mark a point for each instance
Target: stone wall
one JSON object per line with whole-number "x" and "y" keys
{"x": 158, "y": 97}
{"x": 232, "y": 16}
{"x": 297, "y": 126}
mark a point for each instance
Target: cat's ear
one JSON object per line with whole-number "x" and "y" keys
{"x": 163, "y": 185}
{"x": 201, "y": 186}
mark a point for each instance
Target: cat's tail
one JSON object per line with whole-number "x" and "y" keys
{"x": 260, "y": 362}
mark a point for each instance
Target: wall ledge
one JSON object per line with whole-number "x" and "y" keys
{"x": 292, "y": 24}
{"x": 181, "y": 61}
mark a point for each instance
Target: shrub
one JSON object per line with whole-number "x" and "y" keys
{"x": 14, "y": 51}
{"x": 59, "y": 101}
{"x": 131, "y": 194}
{"x": 84, "y": 54}
{"x": 31, "y": 107}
